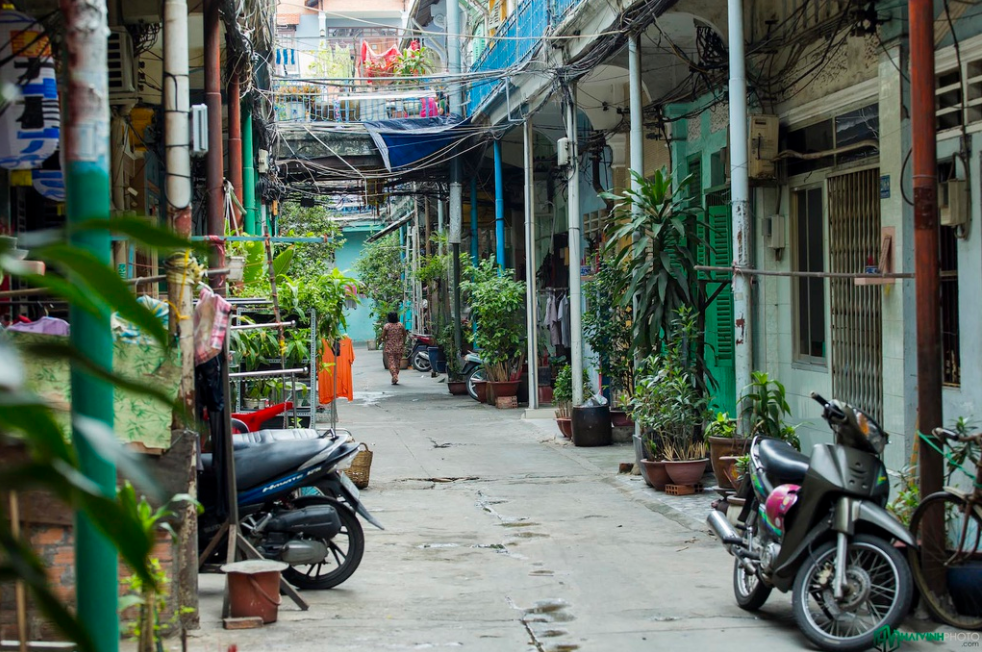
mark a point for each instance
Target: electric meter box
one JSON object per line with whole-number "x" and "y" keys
{"x": 762, "y": 148}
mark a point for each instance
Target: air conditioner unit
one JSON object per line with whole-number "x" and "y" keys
{"x": 122, "y": 64}
{"x": 762, "y": 146}
{"x": 953, "y": 201}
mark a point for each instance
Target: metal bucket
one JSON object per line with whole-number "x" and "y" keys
{"x": 254, "y": 588}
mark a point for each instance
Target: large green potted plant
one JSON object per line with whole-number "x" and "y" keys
{"x": 671, "y": 404}
{"x": 656, "y": 270}
{"x": 498, "y": 305}
{"x": 765, "y": 408}
{"x": 607, "y": 330}
{"x": 562, "y": 397}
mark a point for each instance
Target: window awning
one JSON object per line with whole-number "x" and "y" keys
{"x": 408, "y": 141}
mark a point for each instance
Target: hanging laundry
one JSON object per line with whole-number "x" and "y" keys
{"x": 564, "y": 321}
{"x": 210, "y": 325}
{"x": 127, "y": 331}
{"x": 339, "y": 364}
{"x": 43, "y": 326}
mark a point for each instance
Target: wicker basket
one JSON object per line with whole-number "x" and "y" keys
{"x": 360, "y": 467}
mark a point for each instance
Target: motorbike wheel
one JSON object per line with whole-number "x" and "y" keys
{"x": 882, "y": 590}
{"x": 345, "y": 550}
{"x": 750, "y": 591}
{"x": 421, "y": 362}
{"x": 476, "y": 374}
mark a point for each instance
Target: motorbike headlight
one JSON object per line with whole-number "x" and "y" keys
{"x": 876, "y": 438}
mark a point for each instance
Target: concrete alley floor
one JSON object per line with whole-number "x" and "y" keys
{"x": 501, "y": 536}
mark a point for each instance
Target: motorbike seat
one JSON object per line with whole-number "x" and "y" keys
{"x": 248, "y": 439}
{"x": 782, "y": 463}
{"x": 261, "y": 462}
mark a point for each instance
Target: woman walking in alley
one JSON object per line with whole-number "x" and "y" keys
{"x": 393, "y": 344}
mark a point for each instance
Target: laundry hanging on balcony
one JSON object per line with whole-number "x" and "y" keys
{"x": 30, "y": 121}
{"x": 286, "y": 57}
{"x": 417, "y": 141}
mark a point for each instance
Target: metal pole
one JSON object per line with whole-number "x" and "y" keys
{"x": 637, "y": 152}
{"x": 456, "y": 219}
{"x": 86, "y": 149}
{"x": 499, "y": 208}
{"x": 233, "y": 95}
{"x": 575, "y": 219}
{"x": 531, "y": 291}
{"x": 214, "y": 162}
{"x": 248, "y": 172}
{"x": 475, "y": 227}
{"x": 740, "y": 195}
{"x": 179, "y": 285}
{"x": 927, "y": 281}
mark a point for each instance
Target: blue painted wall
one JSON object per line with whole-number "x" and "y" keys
{"x": 360, "y": 319}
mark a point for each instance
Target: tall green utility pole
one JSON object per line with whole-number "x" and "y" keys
{"x": 85, "y": 141}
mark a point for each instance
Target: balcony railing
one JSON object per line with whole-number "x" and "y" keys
{"x": 340, "y": 104}
{"x": 515, "y": 42}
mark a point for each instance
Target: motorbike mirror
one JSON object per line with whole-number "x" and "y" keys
{"x": 818, "y": 397}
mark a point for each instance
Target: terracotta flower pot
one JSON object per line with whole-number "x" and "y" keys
{"x": 728, "y": 469}
{"x": 565, "y": 426}
{"x": 621, "y": 419}
{"x": 724, "y": 446}
{"x": 457, "y": 388}
{"x": 655, "y": 474}
{"x": 506, "y": 388}
{"x": 481, "y": 389}
{"x": 687, "y": 471}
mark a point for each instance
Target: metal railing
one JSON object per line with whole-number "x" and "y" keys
{"x": 349, "y": 104}
{"x": 518, "y": 38}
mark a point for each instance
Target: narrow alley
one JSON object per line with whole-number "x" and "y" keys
{"x": 501, "y": 536}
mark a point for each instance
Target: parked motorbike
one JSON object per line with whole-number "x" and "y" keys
{"x": 295, "y": 505}
{"x": 818, "y": 527}
{"x": 472, "y": 371}
{"x": 419, "y": 358}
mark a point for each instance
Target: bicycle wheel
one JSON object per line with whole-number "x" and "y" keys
{"x": 953, "y": 534}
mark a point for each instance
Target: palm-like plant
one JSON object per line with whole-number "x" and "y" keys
{"x": 654, "y": 242}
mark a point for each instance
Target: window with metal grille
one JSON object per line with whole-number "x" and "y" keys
{"x": 809, "y": 295}
{"x": 958, "y": 102}
{"x": 950, "y": 345}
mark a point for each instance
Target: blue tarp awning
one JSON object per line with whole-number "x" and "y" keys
{"x": 407, "y": 141}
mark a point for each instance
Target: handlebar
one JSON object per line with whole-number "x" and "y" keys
{"x": 830, "y": 409}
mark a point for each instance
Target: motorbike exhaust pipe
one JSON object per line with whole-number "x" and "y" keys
{"x": 721, "y": 527}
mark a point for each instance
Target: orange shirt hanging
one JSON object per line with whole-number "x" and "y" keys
{"x": 340, "y": 366}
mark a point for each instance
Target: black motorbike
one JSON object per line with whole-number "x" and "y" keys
{"x": 295, "y": 505}
{"x": 818, "y": 527}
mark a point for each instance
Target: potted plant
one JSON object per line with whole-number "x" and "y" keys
{"x": 607, "y": 330}
{"x": 765, "y": 407}
{"x": 562, "y": 395}
{"x": 670, "y": 402}
{"x": 652, "y": 463}
{"x": 721, "y": 437}
{"x": 498, "y": 305}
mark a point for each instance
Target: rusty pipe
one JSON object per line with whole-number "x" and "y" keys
{"x": 214, "y": 169}
{"x": 235, "y": 145}
{"x": 927, "y": 278}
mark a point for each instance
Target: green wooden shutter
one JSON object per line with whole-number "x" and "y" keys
{"x": 719, "y": 316}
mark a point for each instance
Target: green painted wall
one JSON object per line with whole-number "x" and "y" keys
{"x": 359, "y": 320}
